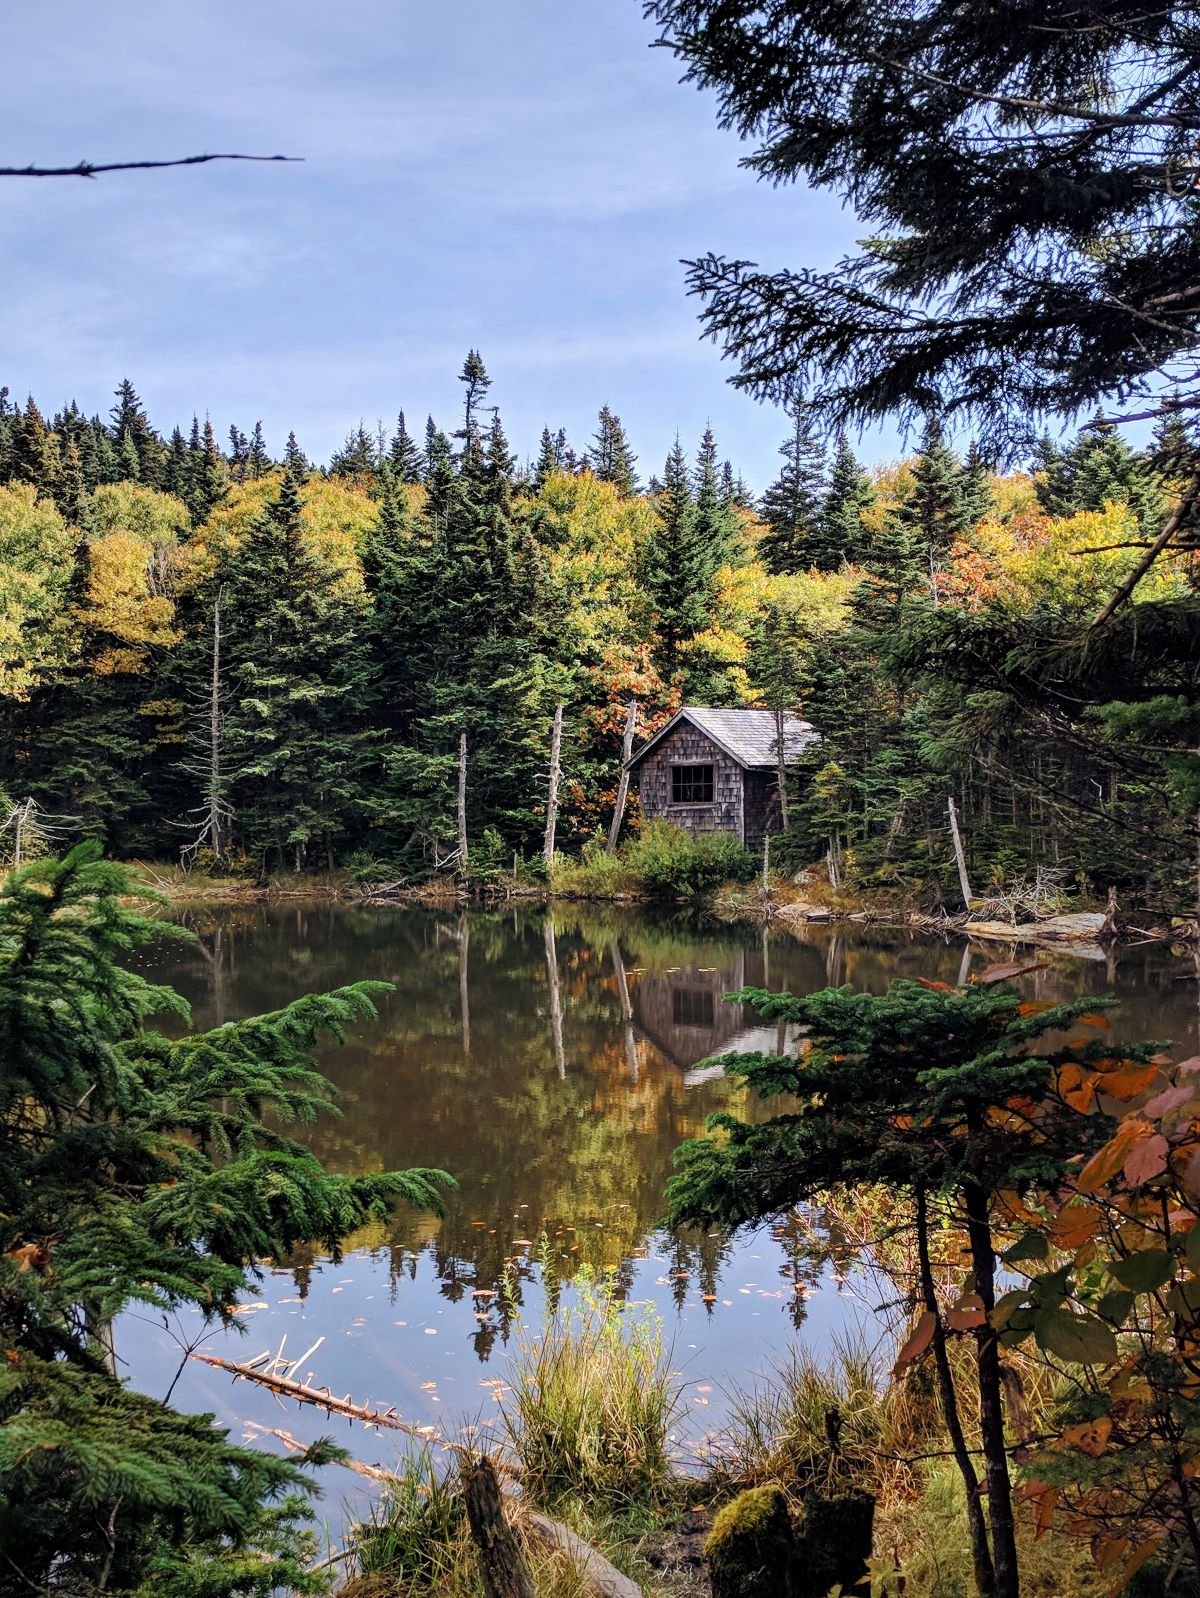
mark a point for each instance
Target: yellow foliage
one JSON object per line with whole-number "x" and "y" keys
{"x": 1041, "y": 559}
{"x": 591, "y": 536}
{"x": 157, "y": 519}
{"x": 336, "y": 517}
{"x": 36, "y": 548}
{"x": 123, "y": 607}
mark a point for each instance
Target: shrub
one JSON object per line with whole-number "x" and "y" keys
{"x": 592, "y": 1403}
{"x": 416, "y": 1534}
{"x": 595, "y": 875}
{"x": 669, "y": 863}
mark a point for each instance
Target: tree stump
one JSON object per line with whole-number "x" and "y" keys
{"x": 834, "y": 1544}
{"x": 750, "y": 1550}
{"x": 505, "y": 1573}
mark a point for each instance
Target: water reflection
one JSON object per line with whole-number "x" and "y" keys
{"x": 552, "y": 1063}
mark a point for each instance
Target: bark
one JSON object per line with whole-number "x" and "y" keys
{"x": 462, "y": 803}
{"x": 959, "y": 856}
{"x": 556, "y": 1013}
{"x": 555, "y": 775}
{"x": 981, "y": 1557}
{"x": 781, "y": 768}
{"x": 614, "y": 832}
{"x": 505, "y": 1573}
{"x": 991, "y": 1406}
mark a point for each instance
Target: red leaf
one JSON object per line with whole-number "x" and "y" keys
{"x": 920, "y": 1340}
{"x": 1147, "y": 1160}
{"x": 1002, "y": 973}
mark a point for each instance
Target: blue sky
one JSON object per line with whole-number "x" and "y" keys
{"x": 522, "y": 176}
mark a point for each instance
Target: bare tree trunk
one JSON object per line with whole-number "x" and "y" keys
{"x": 991, "y": 1407}
{"x": 462, "y": 803}
{"x": 981, "y": 1557}
{"x": 556, "y": 1014}
{"x": 216, "y": 820}
{"x": 505, "y": 1573}
{"x": 555, "y": 774}
{"x": 781, "y": 768}
{"x": 959, "y": 856}
{"x": 766, "y": 870}
{"x": 614, "y": 832}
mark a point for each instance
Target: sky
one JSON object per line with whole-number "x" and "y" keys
{"x": 521, "y": 177}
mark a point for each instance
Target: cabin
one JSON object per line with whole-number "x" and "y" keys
{"x": 718, "y": 771}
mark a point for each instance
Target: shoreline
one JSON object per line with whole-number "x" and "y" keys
{"x": 1085, "y": 932}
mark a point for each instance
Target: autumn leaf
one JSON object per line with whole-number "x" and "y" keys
{"x": 1074, "y": 1225}
{"x": 918, "y": 1342}
{"x": 1079, "y": 1339}
{"x": 1108, "y": 1160}
{"x": 1143, "y": 1272}
{"x": 967, "y": 1314}
{"x": 1147, "y": 1160}
{"x": 1128, "y": 1081}
{"x": 1035, "y": 1006}
{"x": 936, "y": 987}
{"x": 1045, "y": 1505}
{"x": 1094, "y": 1019}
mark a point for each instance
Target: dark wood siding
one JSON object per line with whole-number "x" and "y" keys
{"x": 685, "y": 745}
{"x": 761, "y": 808}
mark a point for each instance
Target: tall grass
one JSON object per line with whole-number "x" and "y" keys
{"x": 592, "y": 1402}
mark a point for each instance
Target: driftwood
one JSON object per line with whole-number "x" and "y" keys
{"x": 603, "y": 1580}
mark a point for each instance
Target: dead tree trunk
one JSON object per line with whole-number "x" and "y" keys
{"x": 959, "y": 856}
{"x": 462, "y": 803}
{"x": 464, "y": 985}
{"x": 781, "y": 768}
{"x": 552, "y": 795}
{"x": 631, "y": 1058}
{"x": 505, "y": 1573}
{"x": 614, "y": 832}
{"x": 213, "y": 800}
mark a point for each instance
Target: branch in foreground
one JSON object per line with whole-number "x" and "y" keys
{"x": 90, "y": 169}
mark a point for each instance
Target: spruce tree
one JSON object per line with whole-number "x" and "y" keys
{"x": 718, "y": 526}
{"x": 297, "y": 684}
{"x": 141, "y": 1169}
{"x": 404, "y": 456}
{"x": 676, "y": 566}
{"x": 841, "y": 534}
{"x": 357, "y": 457}
{"x": 547, "y": 461}
{"x": 791, "y": 506}
{"x": 258, "y": 459}
{"x": 129, "y": 422}
{"x": 610, "y": 458}
{"x": 239, "y": 451}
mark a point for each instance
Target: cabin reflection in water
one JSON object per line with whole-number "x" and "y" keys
{"x": 683, "y": 1017}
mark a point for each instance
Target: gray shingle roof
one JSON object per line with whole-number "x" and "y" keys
{"x": 747, "y": 736}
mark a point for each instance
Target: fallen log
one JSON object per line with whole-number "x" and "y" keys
{"x": 603, "y": 1580}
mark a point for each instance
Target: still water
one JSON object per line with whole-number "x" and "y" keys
{"x": 551, "y": 1062}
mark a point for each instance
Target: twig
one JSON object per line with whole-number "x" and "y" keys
{"x": 89, "y": 169}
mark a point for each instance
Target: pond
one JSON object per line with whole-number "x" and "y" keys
{"x": 551, "y": 1062}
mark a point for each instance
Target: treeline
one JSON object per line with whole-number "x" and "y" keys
{"x": 266, "y": 665}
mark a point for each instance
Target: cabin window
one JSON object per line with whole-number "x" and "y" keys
{"x": 691, "y": 785}
{"x": 693, "y": 1007}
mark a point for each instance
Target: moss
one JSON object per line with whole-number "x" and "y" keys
{"x": 751, "y": 1546}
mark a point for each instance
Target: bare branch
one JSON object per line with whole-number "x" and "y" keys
{"x": 1187, "y": 502}
{"x": 90, "y": 169}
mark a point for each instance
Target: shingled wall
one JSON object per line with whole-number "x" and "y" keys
{"x": 684, "y": 745}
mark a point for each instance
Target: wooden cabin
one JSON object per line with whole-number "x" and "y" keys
{"x": 717, "y": 771}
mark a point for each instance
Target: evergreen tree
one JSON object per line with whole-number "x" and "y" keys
{"x": 718, "y": 526}
{"x": 258, "y": 460}
{"x": 403, "y": 455}
{"x": 176, "y": 467}
{"x": 791, "y": 506}
{"x": 206, "y": 473}
{"x": 566, "y": 457}
{"x": 547, "y": 461}
{"x": 34, "y": 456}
{"x": 676, "y": 566}
{"x": 140, "y": 1169}
{"x": 357, "y": 457}
{"x": 842, "y": 536}
{"x": 298, "y": 681}
{"x": 239, "y": 451}
{"x": 936, "y": 512}
{"x": 129, "y": 423}
{"x": 294, "y": 459}
{"x": 610, "y": 458}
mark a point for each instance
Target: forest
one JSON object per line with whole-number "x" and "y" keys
{"x": 216, "y": 651}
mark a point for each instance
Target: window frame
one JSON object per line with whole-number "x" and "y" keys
{"x": 691, "y": 782}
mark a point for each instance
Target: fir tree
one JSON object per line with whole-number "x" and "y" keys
{"x": 129, "y": 422}
{"x": 610, "y": 458}
{"x": 239, "y": 451}
{"x": 357, "y": 457}
{"x": 160, "y": 1198}
{"x": 842, "y": 535}
{"x": 676, "y": 566}
{"x": 718, "y": 526}
{"x": 403, "y": 455}
{"x": 547, "y": 461}
{"x": 298, "y": 681}
{"x": 791, "y": 506}
{"x": 258, "y": 460}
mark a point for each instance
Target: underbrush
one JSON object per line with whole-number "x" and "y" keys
{"x": 659, "y": 862}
